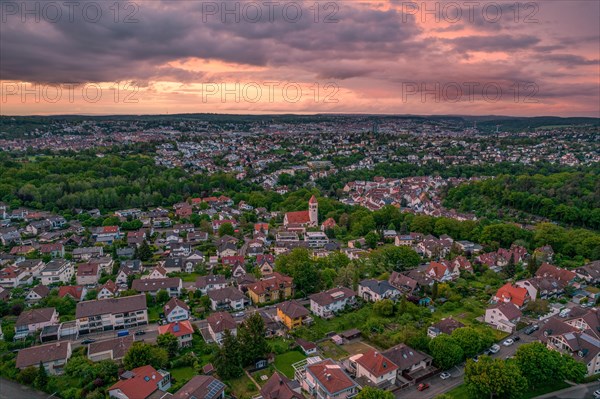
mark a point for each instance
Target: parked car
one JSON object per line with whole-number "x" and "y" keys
{"x": 88, "y": 341}
{"x": 508, "y": 342}
{"x": 487, "y": 352}
{"x": 597, "y": 394}
{"x": 531, "y": 329}
{"x": 141, "y": 332}
{"x": 423, "y": 386}
{"x": 517, "y": 338}
{"x": 445, "y": 375}
{"x": 475, "y": 358}
{"x": 495, "y": 348}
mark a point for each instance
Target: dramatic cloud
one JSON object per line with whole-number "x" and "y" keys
{"x": 173, "y": 50}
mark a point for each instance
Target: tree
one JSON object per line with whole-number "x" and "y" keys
{"x": 299, "y": 265}
{"x": 446, "y": 351}
{"x": 390, "y": 258}
{"x": 41, "y": 379}
{"x": 541, "y": 366}
{"x": 168, "y": 342}
{"x": 384, "y": 308}
{"x": 162, "y": 296}
{"x": 469, "y": 340}
{"x": 28, "y": 375}
{"x": 141, "y": 354}
{"x": 374, "y": 393}
{"x": 494, "y": 378}
{"x": 226, "y": 229}
{"x": 143, "y": 252}
{"x": 372, "y": 239}
{"x": 251, "y": 336}
{"x": 228, "y": 359}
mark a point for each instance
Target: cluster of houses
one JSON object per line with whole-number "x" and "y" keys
{"x": 106, "y": 309}
{"x": 417, "y": 194}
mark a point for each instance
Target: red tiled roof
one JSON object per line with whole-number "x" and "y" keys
{"x": 376, "y": 363}
{"x": 144, "y": 381}
{"x": 331, "y": 376}
{"x": 298, "y": 217}
{"x": 516, "y": 295}
{"x": 178, "y": 328}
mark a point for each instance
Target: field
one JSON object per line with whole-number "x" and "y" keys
{"x": 331, "y": 350}
{"x": 461, "y": 391}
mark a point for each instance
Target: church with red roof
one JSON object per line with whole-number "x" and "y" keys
{"x": 309, "y": 218}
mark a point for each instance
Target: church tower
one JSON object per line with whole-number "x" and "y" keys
{"x": 313, "y": 211}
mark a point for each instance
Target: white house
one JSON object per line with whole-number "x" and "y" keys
{"x": 56, "y": 271}
{"x": 503, "y": 316}
{"x": 326, "y": 304}
{"x": 176, "y": 310}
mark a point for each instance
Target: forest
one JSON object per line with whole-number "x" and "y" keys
{"x": 569, "y": 198}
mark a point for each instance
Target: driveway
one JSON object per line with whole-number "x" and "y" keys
{"x": 439, "y": 386}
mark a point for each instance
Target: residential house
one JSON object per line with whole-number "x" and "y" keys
{"x": 13, "y": 277}
{"x": 280, "y": 387}
{"x": 211, "y": 282}
{"x": 203, "y": 387}
{"x": 141, "y": 383}
{"x": 52, "y": 356}
{"x": 513, "y": 294}
{"x": 412, "y": 364}
{"x": 55, "y": 250}
{"x": 111, "y": 314}
{"x": 106, "y": 234}
{"x": 503, "y": 316}
{"x": 30, "y": 321}
{"x": 107, "y": 290}
{"x": 577, "y": 335}
{"x": 86, "y": 253}
{"x": 271, "y": 288}
{"x": 172, "y": 285}
{"x": 37, "y": 293}
{"x": 77, "y": 292}
{"x": 444, "y": 326}
{"x": 157, "y": 272}
{"x": 292, "y": 314}
{"x": 590, "y": 272}
{"x": 326, "y": 304}
{"x": 183, "y": 330}
{"x": 374, "y": 369}
{"x": 57, "y": 271}
{"x": 176, "y": 310}
{"x": 228, "y": 298}
{"x": 218, "y": 323}
{"x": 439, "y": 272}
{"x": 110, "y": 349}
{"x": 373, "y": 290}
{"x": 32, "y": 266}
{"x": 327, "y": 380}
{"x": 87, "y": 274}
{"x": 405, "y": 284}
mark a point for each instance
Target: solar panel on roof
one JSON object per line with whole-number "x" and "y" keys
{"x": 213, "y": 388}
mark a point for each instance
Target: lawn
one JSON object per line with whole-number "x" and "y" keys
{"x": 183, "y": 374}
{"x": 242, "y": 387}
{"x": 331, "y": 350}
{"x": 284, "y": 362}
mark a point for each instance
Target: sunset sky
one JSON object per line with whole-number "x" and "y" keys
{"x": 169, "y": 56}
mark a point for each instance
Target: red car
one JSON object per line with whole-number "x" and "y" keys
{"x": 422, "y": 387}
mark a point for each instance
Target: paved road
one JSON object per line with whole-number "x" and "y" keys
{"x": 439, "y": 386}
{"x": 13, "y": 390}
{"x": 150, "y": 336}
{"x": 582, "y": 391}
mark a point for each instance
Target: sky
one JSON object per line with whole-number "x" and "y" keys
{"x": 278, "y": 56}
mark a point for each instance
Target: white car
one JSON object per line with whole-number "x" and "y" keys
{"x": 597, "y": 394}
{"x": 495, "y": 348}
{"x": 445, "y": 376}
{"x": 508, "y": 342}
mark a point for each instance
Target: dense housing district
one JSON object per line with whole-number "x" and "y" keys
{"x": 269, "y": 278}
